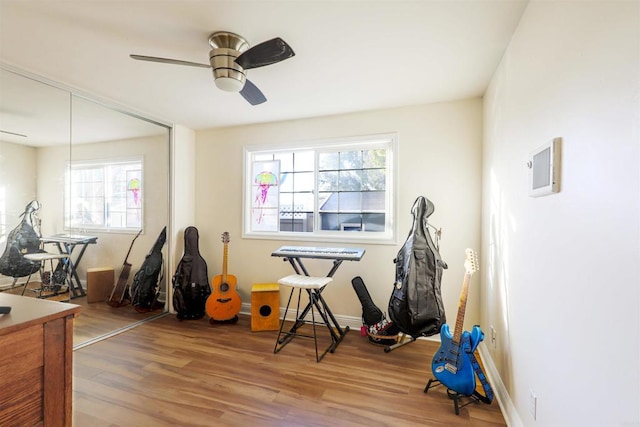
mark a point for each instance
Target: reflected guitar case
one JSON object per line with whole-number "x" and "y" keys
{"x": 145, "y": 286}
{"x": 23, "y": 239}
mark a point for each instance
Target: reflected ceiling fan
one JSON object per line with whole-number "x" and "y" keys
{"x": 230, "y": 56}
{"x": 12, "y": 133}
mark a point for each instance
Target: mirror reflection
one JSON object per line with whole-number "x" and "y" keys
{"x": 99, "y": 180}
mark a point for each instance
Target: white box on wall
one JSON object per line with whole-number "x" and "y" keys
{"x": 544, "y": 169}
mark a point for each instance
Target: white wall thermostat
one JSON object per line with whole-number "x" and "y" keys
{"x": 544, "y": 169}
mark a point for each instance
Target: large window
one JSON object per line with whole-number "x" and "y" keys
{"x": 328, "y": 190}
{"x": 105, "y": 195}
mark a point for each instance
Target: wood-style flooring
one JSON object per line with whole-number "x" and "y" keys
{"x": 191, "y": 373}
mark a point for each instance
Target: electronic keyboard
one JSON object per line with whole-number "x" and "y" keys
{"x": 346, "y": 254}
{"x": 70, "y": 239}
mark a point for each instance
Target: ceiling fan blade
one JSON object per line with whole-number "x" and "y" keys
{"x": 265, "y": 53}
{"x": 13, "y": 133}
{"x": 252, "y": 94}
{"x": 168, "y": 61}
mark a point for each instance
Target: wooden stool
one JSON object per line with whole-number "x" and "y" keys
{"x": 100, "y": 281}
{"x": 265, "y": 307}
{"x": 316, "y": 305}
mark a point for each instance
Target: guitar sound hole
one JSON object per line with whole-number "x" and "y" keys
{"x": 224, "y": 287}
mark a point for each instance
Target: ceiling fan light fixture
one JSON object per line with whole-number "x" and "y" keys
{"x": 229, "y": 84}
{"x": 228, "y": 75}
{"x": 229, "y": 58}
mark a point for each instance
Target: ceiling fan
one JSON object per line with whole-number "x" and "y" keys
{"x": 230, "y": 56}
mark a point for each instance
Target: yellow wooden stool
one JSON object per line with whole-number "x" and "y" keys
{"x": 265, "y": 307}
{"x": 100, "y": 282}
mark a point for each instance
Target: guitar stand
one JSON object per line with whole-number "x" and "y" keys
{"x": 234, "y": 319}
{"x": 400, "y": 342}
{"x": 456, "y": 397}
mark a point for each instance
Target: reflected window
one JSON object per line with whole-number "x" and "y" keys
{"x": 104, "y": 195}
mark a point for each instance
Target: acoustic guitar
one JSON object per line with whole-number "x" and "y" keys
{"x": 116, "y": 299}
{"x": 224, "y": 303}
{"x": 451, "y": 365}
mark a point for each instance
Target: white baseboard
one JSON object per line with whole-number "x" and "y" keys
{"x": 511, "y": 416}
{"x": 354, "y": 323}
{"x": 5, "y": 281}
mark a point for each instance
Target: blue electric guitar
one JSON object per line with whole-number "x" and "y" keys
{"x": 451, "y": 364}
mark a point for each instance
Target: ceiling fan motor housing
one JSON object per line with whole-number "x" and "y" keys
{"x": 226, "y": 47}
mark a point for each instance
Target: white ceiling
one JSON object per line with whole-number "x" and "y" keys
{"x": 350, "y": 55}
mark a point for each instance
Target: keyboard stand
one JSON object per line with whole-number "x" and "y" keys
{"x": 315, "y": 295}
{"x": 66, "y": 245}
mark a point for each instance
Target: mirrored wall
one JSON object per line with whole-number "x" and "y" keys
{"x": 100, "y": 176}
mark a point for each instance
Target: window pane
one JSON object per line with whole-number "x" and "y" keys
{"x": 350, "y": 222}
{"x": 373, "y": 179}
{"x": 286, "y": 201}
{"x": 328, "y": 161}
{"x": 374, "y": 201}
{"x": 297, "y": 212}
{"x": 350, "y": 160}
{"x": 286, "y": 161}
{"x": 134, "y": 219}
{"x": 286, "y": 181}
{"x": 350, "y": 202}
{"x": 349, "y": 181}
{"x": 304, "y": 161}
{"x": 373, "y": 222}
{"x": 374, "y": 158}
{"x": 328, "y": 181}
{"x": 303, "y": 181}
{"x": 329, "y": 221}
{"x": 303, "y": 201}
{"x": 267, "y": 219}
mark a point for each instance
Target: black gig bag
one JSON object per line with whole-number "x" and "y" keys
{"x": 415, "y": 306}
{"x": 191, "y": 280}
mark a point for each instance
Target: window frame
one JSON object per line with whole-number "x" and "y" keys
{"x": 389, "y": 141}
{"x": 101, "y": 163}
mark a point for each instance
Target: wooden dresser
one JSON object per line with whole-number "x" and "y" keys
{"x": 36, "y": 362}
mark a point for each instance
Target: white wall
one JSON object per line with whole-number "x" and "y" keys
{"x": 439, "y": 158}
{"x": 561, "y": 282}
{"x": 183, "y": 159}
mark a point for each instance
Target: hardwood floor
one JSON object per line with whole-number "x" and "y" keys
{"x": 191, "y": 373}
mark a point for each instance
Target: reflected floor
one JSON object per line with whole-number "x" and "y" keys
{"x": 99, "y": 318}
{"x": 96, "y": 319}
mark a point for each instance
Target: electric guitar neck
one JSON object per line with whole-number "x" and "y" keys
{"x": 117, "y": 294}
{"x": 451, "y": 364}
{"x": 462, "y": 303}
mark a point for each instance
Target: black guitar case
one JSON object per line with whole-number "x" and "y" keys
{"x": 22, "y": 240}
{"x": 191, "y": 280}
{"x": 144, "y": 288}
{"x": 415, "y": 306}
{"x": 374, "y": 321}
